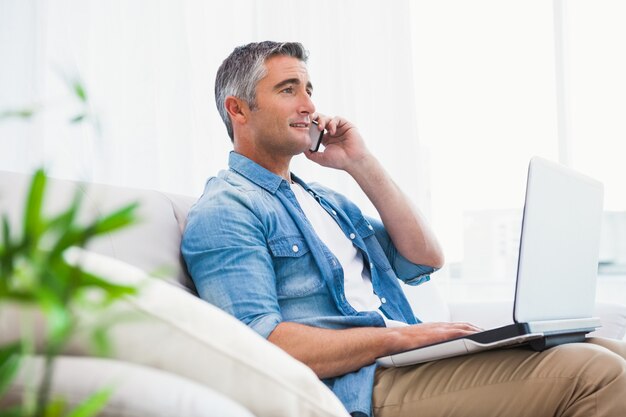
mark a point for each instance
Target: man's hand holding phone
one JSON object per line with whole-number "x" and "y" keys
{"x": 344, "y": 147}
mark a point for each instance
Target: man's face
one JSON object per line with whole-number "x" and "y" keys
{"x": 280, "y": 123}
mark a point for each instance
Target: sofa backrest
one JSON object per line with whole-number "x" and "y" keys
{"x": 153, "y": 244}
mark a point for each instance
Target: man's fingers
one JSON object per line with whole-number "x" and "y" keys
{"x": 466, "y": 327}
{"x": 331, "y": 124}
{"x": 321, "y": 119}
{"x": 436, "y": 332}
{"x": 469, "y": 327}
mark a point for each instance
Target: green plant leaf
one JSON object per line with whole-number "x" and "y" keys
{"x": 10, "y": 359}
{"x": 92, "y": 405}
{"x": 65, "y": 220}
{"x": 116, "y": 220}
{"x": 55, "y": 407}
{"x": 100, "y": 341}
{"x": 25, "y": 113}
{"x": 80, "y": 91}
{"x": 61, "y": 324}
{"x": 33, "y": 219}
{"x": 109, "y": 223}
{"x": 15, "y": 411}
{"x": 70, "y": 237}
{"x": 112, "y": 290}
{"x": 78, "y": 118}
{"x": 6, "y": 233}
{"x": 20, "y": 297}
{"x": 6, "y": 255}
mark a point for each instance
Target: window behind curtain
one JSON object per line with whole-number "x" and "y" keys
{"x": 486, "y": 88}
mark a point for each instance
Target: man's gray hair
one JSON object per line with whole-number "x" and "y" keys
{"x": 242, "y": 70}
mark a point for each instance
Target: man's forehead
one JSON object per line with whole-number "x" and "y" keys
{"x": 283, "y": 66}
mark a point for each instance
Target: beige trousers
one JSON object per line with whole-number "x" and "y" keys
{"x": 573, "y": 380}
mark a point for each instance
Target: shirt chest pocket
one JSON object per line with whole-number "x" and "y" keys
{"x": 297, "y": 274}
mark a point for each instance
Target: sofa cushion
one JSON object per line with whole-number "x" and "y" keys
{"x": 153, "y": 244}
{"x": 136, "y": 390}
{"x": 167, "y": 328}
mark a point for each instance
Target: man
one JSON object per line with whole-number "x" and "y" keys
{"x": 304, "y": 268}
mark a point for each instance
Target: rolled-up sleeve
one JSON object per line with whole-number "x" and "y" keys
{"x": 226, "y": 254}
{"x": 407, "y": 271}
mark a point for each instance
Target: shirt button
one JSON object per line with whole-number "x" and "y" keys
{"x": 369, "y": 226}
{"x": 383, "y": 300}
{"x": 334, "y": 212}
{"x": 371, "y": 266}
{"x": 295, "y": 248}
{"x": 352, "y": 235}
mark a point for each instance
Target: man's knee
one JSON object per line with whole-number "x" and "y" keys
{"x": 587, "y": 362}
{"x": 573, "y": 380}
{"x": 600, "y": 382}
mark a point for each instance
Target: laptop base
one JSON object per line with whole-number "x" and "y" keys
{"x": 550, "y": 341}
{"x": 538, "y": 336}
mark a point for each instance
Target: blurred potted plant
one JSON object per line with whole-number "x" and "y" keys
{"x": 34, "y": 273}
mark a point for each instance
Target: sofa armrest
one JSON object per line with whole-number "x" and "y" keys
{"x": 185, "y": 335}
{"x": 174, "y": 331}
{"x": 499, "y": 313}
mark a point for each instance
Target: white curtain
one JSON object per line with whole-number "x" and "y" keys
{"x": 148, "y": 67}
{"x": 595, "y": 59}
{"x": 486, "y": 102}
{"x": 453, "y": 96}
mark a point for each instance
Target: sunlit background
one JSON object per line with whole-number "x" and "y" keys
{"x": 453, "y": 96}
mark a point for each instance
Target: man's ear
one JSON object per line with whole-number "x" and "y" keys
{"x": 237, "y": 109}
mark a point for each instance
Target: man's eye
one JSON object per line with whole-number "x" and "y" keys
{"x": 310, "y": 93}
{"x": 288, "y": 90}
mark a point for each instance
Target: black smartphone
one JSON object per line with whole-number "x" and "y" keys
{"x": 316, "y": 136}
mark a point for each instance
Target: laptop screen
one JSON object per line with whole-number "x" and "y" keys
{"x": 559, "y": 247}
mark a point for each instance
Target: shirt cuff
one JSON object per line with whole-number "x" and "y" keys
{"x": 410, "y": 273}
{"x": 265, "y": 324}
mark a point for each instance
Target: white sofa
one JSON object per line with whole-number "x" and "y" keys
{"x": 179, "y": 355}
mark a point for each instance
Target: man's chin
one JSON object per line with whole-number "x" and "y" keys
{"x": 302, "y": 146}
{"x": 306, "y": 148}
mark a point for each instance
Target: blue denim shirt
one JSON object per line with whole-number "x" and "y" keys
{"x": 252, "y": 252}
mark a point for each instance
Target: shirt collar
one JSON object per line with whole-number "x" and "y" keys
{"x": 298, "y": 180}
{"x": 254, "y": 172}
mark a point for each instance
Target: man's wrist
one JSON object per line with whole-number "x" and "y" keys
{"x": 395, "y": 340}
{"x": 363, "y": 168}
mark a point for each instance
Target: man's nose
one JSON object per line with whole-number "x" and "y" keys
{"x": 307, "y": 106}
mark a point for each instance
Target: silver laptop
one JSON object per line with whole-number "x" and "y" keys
{"x": 556, "y": 273}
